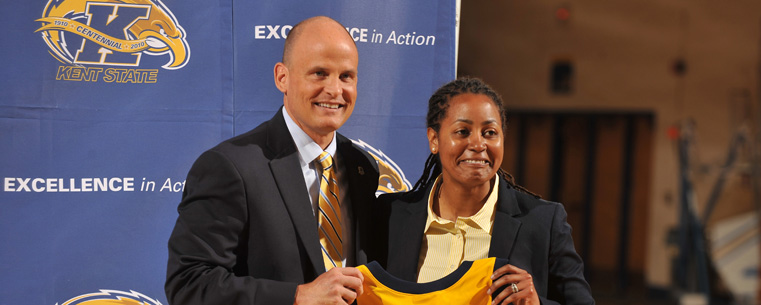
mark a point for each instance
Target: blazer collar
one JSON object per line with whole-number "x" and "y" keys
{"x": 286, "y": 169}
{"x": 506, "y": 224}
{"x": 408, "y": 221}
{"x": 279, "y": 139}
{"x": 361, "y": 175}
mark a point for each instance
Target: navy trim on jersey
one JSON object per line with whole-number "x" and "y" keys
{"x": 401, "y": 285}
{"x": 498, "y": 263}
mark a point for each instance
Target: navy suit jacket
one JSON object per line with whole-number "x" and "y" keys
{"x": 531, "y": 233}
{"x": 246, "y": 233}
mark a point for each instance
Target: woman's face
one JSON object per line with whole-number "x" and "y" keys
{"x": 469, "y": 141}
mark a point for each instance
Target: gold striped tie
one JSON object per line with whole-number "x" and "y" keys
{"x": 329, "y": 217}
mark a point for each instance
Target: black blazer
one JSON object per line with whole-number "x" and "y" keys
{"x": 531, "y": 233}
{"x": 246, "y": 233}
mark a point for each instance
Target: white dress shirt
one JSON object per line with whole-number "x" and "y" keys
{"x": 309, "y": 150}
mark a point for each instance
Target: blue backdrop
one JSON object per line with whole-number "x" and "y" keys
{"x": 105, "y": 105}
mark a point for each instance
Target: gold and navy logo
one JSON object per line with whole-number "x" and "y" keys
{"x": 392, "y": 177}
{"x": 113, "y": 32}
{"x": 112, "y": 297}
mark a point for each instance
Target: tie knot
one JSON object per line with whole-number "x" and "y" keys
{"x": 325, "y": 160}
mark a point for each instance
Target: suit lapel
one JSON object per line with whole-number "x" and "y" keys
{"x": 406, "y": 225}
{"x": 290, "y": 183}
{"x": 358, "y": 170}
{"x": 506, "y": 227}
{"x": 407, "y": 221}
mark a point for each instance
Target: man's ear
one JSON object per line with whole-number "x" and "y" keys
{"x": 281, "y": 77}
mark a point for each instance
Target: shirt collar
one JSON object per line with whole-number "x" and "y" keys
{"x": 483, "y": 218}
{"x": 308, "y": 148}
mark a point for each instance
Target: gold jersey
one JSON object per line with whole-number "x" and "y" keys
{"x": 466, "y": 285}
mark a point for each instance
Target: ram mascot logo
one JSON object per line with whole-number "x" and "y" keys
{"x": 113, "y": 32}
{"x": 112, "y": 297}
{"x": 392, "y": 177}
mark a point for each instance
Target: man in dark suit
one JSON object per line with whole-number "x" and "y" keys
{"x": 247, "y": 231}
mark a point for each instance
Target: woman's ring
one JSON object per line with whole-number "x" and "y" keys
{"x": 515, "y": 288}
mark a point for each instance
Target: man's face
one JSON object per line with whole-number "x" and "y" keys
{"x": 319, "y": 80}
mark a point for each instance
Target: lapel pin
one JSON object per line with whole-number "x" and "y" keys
{"x": 360, "y": 170}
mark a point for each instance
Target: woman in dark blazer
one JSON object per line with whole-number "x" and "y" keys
{"x": 463, "y": 185}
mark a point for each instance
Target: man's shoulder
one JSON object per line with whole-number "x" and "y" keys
{"x": 253, "y": 136}
{"x": 354, "y": 154}
{"x": 248, "y": 143}
{"x": 257, "y": 134}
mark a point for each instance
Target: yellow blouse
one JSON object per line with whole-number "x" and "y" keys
{"x": 447, "y": 244}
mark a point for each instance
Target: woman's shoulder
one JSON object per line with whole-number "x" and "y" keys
{"x": 526, "y": 199}
{"x": 407, "y": 197}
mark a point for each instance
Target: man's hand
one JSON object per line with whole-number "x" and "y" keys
{"x": 337, "y": 286}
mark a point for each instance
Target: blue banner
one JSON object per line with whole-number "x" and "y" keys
{"x": 106, "y": 104}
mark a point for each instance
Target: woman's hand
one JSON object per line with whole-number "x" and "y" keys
{"x": 519, "y": 286}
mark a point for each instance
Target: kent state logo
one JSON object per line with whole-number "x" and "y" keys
{"x": 113, "y": 32}
{"x": 112, "y": 297}
{"x": 392, "y": 177}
